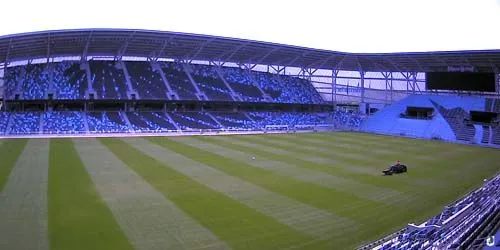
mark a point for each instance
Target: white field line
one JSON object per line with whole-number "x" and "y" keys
{"x": 300, "y": 216}
{"x": 365, "y": 191}
{"x": 149, "y": 220}
{"x": 23, "y": 202}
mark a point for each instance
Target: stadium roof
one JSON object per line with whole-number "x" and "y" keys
{"x": 159, "y": 44}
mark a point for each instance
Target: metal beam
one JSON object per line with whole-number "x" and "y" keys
{"x": 231, "y": 53}
{"x": 199, "y": 49}
{"x": 124, "y": 47}
{"x": 7, "y": 55}
{"x": 86, "y": 49}
{"x": 322, "y": 63}
{"x": 164, "y": 47}
{"x": 266, "y": 55}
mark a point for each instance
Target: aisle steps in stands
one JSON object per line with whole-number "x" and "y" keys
{"x": 172, "y": 95}
{"x": 8, "y": 129}
{"x": 486, "y": 135}
{"x": 85, "y": 122}
{"x": 215, "y": 120}
{"x": 19, "y": 85}
{"x": 51, "y": 80}
{"x": 265, "y": 95}
{"x": 199, "y": 94}
{"x": 126, "y": 120}
{"x": 491, "y": 135}
{"x": 40, "y": 124}
{"x": 172, "y": 120}
{"x": 90, "y": 91}
{"x": 130, "y": 90}
{"x": 249, "y": 117}
{"x": 234, "y": 95}
{"x": 478, "y": 133}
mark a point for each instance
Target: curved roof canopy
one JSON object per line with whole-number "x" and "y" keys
{"x": 159, "y": 44}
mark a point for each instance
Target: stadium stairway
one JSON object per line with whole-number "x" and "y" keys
{"x": 478, "y": 136}
{"x": 215, "y": 120}
{"x": 234, "y": 95}
{"x": 200, "y": 95}
{"x": 170, "y": 92}
{"x": 124, "y": 117}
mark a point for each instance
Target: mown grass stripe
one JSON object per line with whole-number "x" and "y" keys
{"x": 353, "y": 149}
{"x": 227, "y": 149}
{"x": 149, "y": 220}
{"x": 78, "y": 217}
{"x": 302, "y": 217}
{"x": 421, "y": 172}
{"x": 10, "y": 150}
{"x": 236, "y": 224}
{"x": 369, "y": 213}
{"x": 23, "y": 202}
{"x": 342, "y": 169}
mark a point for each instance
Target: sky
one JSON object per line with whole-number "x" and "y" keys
{"x": 363, "y": 26}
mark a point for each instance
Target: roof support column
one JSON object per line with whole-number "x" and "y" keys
{"x": 335, "y": 73}
{"x": 362, "y": 78}
{"x": 388, "y": 85}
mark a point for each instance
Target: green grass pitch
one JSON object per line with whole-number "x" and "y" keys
{"x": 282, "y": 191}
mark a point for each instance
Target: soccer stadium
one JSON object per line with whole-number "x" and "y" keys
{"x": 143, "y": 139}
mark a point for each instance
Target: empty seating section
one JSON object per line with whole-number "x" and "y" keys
{"x": 441, "y": 231}
{"x": 347, "y": 118}
{"x": 35, "y": 82}
{"x": 64, "y": 122}
{"x": 106, "y": 122}
{"x": 179, "y": 81}
{"x": 242, "y": 83}
{"x": 69, "y": 81}
{"x": 25, "y": 123}
{"x": 4, "y": 121}
{"x": 108, "y": 80}
{"x": 287, "y": 89}
{"x": 159, "y": 119}
{"x": 12, "y": 78}
{"x": 209, "y": 82}
{"x": 496, "y": 135}
{"x": 147, "y": 82}
{"x": 30, "y": 81}
{"x": 264, "y": 119}
{"x": 149, "y": 121}
{"x": 455, "y": 118}
{"x": 193, "y": 120}
{"x": 233, "y": 120}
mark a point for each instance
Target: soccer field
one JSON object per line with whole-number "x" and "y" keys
{"x": 301, "y": 191}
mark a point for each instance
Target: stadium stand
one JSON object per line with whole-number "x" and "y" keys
{"x": 4, "y": 121}
{"x": 286, "y": 89}
{"x": 243, "y": 85}
{"x": 179, "y": 80}
{"x": 451, "y": 228}
{"x": 108, "y": 80}
{"x": 194, "y": 120}
{"x": 234, "y": 120}
{"x": 148, "y": 83}
{"x": 30, "y": 81}
{"x": 447, "y": 123}
{"x": 63, "y": 122}
{"x": 207, "y": 79}
{"x": 106, "y": 122}
{"x": 24, "y": 123}
{"x": 69, "y": 81}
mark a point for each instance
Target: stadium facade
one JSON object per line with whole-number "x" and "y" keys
{"x": 136, "y": 82}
